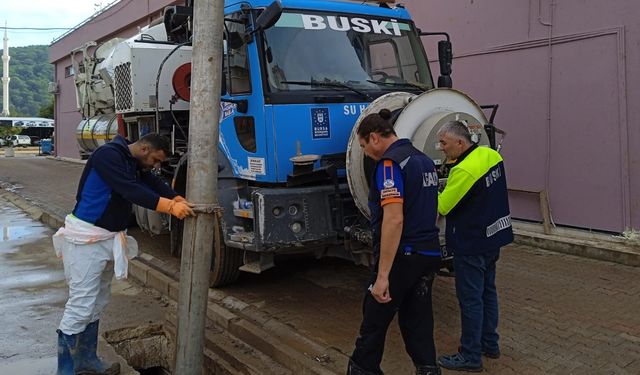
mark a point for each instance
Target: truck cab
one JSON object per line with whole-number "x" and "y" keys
{"x": 305, "y": 80}
{"x": 292, "y": 93}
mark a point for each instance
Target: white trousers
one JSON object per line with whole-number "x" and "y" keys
{"x": 88, "y": 269}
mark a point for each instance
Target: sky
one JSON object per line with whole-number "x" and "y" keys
{"x": 43, "y": 14}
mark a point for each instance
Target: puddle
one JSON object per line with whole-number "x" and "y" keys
{"x": 32, "y": 293}
{"x": 16, "y": 226}
{"x": 14, "y": 233}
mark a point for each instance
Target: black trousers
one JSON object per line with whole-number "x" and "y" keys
{"x": 410, "y": 284}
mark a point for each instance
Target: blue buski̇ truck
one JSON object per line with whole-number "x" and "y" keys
{"x": 297, "y": 75}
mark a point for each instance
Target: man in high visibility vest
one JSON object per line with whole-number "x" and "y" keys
{"x": 476, "y": 205}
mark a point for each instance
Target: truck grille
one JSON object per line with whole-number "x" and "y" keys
{"x": 123, "y": 87}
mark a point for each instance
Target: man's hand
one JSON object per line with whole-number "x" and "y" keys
{"x": 173, "y": 207}
{"x": 380, "y": 290}
{"x": 182, "y": 209}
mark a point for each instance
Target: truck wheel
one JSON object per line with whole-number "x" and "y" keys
{"x": 175, "y": 237}
{"x": 225, "y": 261}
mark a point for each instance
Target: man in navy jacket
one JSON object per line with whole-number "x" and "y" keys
{"x": 403, "y": 200}
{"x": 117, "y": 175}
{"x": 476, "y": 205}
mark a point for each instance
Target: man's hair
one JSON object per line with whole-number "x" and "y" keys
{"x": 376, "y": 123}
{"x": 157, "y": 142}
{"x": 457, "y": 130}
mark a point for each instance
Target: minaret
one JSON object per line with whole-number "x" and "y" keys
{"x": 5, "y": 73}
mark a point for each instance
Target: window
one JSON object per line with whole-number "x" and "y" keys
{"x": 236, "y": 58}
{"x": 383, "y": 60}
{"x": 309, "y": 51}
{"x": 246, "y": 132}
{"x": 68, "y": 71}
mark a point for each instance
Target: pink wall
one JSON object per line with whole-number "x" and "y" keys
{"x": 565, "y": 93}
{"x": 122, "y": 20}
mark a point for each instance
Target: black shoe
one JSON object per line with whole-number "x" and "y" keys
{"x": 492, "y": 355}
{"x": 428, "y": 370}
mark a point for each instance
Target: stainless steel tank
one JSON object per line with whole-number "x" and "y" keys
{"x": 96, "y": 131}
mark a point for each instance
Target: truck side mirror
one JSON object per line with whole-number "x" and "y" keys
{"x": 234, "y": 40}
{"x": 268, "y": 17}
{"x": 445, "y": 57}
{"x": 223, "y": 77}
{"x": 223, "y": 83}
{"x": 223, "y": 66}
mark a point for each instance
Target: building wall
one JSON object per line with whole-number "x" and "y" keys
{"x": 121, "y": 20}
{"x": 566, "y": 75}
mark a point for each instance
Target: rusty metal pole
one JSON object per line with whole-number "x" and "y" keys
{"x": 202, "y": 184}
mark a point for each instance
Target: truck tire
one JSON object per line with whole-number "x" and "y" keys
{"x": 175, "y": 237}
{"x": 225, "y": 261}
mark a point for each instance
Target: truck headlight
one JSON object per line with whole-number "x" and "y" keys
{"x": 296, "y": 227}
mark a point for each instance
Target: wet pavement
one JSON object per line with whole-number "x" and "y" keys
{"x": 33, "y": 293}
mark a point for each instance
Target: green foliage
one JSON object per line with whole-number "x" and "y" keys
{"x": 46, "y": 111}
{"x": 30, "y": 74}
{"x": 7, "y": 131}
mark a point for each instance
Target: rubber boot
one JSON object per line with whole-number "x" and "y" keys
{"x": 65, "y": 362}
{"x": 82, "y": 348}
{"x": 427, "y": 370}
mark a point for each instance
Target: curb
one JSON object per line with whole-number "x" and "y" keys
{"x": 66, "y": 159}
{"x": 625, "y": 254}
{"x": 582, "y": 243}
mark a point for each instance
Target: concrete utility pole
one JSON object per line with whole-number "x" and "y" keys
{"x": 202, "y": 183}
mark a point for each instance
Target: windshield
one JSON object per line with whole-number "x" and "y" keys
{"x": 314, "y": 51}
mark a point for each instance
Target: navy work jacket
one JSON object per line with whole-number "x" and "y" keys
{"x": 112, "y": 179}
{"x": 476, "y": 203}
{"x": 416, "y": 187}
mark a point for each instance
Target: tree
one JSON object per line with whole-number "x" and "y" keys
{"x": 30, "y": 75}
{"x": 46, "y": 111}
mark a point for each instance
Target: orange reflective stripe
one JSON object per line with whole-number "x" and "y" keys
{"x": 387, "y": 164}
{"x": 391, "y": 200}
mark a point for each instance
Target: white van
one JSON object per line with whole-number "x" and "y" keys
{"x": 19, "y": 140}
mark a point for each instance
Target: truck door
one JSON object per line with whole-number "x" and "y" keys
{"x": 242, "y": 129}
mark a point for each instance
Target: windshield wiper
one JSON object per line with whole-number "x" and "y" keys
{"x": 396, "y": 84}
{"x": 329, "y": 84}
